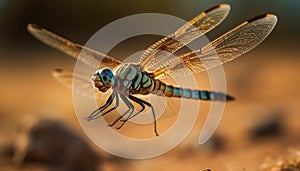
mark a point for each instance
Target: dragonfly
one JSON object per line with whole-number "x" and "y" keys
{"x": 150, "y": 74}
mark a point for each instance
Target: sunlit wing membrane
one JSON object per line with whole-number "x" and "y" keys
{"x": 88, "y": 56}
{"x": 83, "y": 83}
{"x": 193, "y": 29}
{"x": 80, "y": 83}
{"x": 229, "y": 46}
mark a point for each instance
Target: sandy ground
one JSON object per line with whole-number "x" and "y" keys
{"x": 264, "y": 82}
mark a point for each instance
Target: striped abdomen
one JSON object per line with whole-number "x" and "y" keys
{"x": 163, "y": 89}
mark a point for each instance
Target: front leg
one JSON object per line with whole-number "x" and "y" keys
{"x": 97, "y": 113}
{"x": 130, "y": 110}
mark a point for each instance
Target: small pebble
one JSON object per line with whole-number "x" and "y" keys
{"x": 52, "y": 143}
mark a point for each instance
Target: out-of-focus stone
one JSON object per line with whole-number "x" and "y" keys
{"x": 268, "y": 126}
{"x": 51, "y": 142}
{"x": 216, "y": 143}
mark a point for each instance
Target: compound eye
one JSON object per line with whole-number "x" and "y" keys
{"x": 107, "y": 77}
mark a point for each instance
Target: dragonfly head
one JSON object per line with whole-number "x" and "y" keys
{"x": 103, "y": 79}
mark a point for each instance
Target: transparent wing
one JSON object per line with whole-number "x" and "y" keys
{"x": 229, "y": 46}
{"x": 80, "y": 82}
{"x": 195, "y": 28}
{"x": 83, "y": 83}
{"x": 88, "y": 56}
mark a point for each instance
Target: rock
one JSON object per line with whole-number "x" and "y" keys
{"x": 266, "y": 127}
{"x": 51, "y": 142}
{"x": 216, "y": 143}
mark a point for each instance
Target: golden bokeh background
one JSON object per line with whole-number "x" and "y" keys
{"x": 264, "y": 81}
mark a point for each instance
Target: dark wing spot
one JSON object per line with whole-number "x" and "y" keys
{"x": 104, "y": 78}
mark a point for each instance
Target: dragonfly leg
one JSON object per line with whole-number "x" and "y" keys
{"x": 138, "y": 112}
{"x": 131, "y": 116}
{"x": 130, "y": 106}
{"x": 140, "y": 101}
{"x": 111, "y": 109}
{"x": 95, "y": 114}
{"x": 130, "y": 110}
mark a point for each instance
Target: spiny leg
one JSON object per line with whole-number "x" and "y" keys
{"x": 130, "y": 109}
{"x": 129, "y": 104}
{"x": 100, "y": 109}
{"x": 140, "y": 102}
{"x": 129, "y": 116}
{"x": 153, "y": 113}
{"x": 94, "y": 114}
{"x": 111, "y": 109}
{"x": 108, "y": 103}
{"x": 138, "y": 112}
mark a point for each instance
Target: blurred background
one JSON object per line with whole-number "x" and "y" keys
{"x": 260, "y": 130}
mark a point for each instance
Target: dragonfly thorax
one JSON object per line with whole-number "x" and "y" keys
{"x": 131, "y": 78}
{"x": 103, "y": 79}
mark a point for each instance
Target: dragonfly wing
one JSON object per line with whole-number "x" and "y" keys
{"x": 88, "y": 56}
{"x": 195, "y": 28}
{"x": 229, "y": 46}
{"x": 80, "y": 83}
{"x": 83, "y": 83}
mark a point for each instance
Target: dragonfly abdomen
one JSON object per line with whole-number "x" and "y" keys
{"x": 163, "y": 89}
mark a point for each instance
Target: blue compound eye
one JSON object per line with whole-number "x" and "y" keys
{"x": 107, "y": 77}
